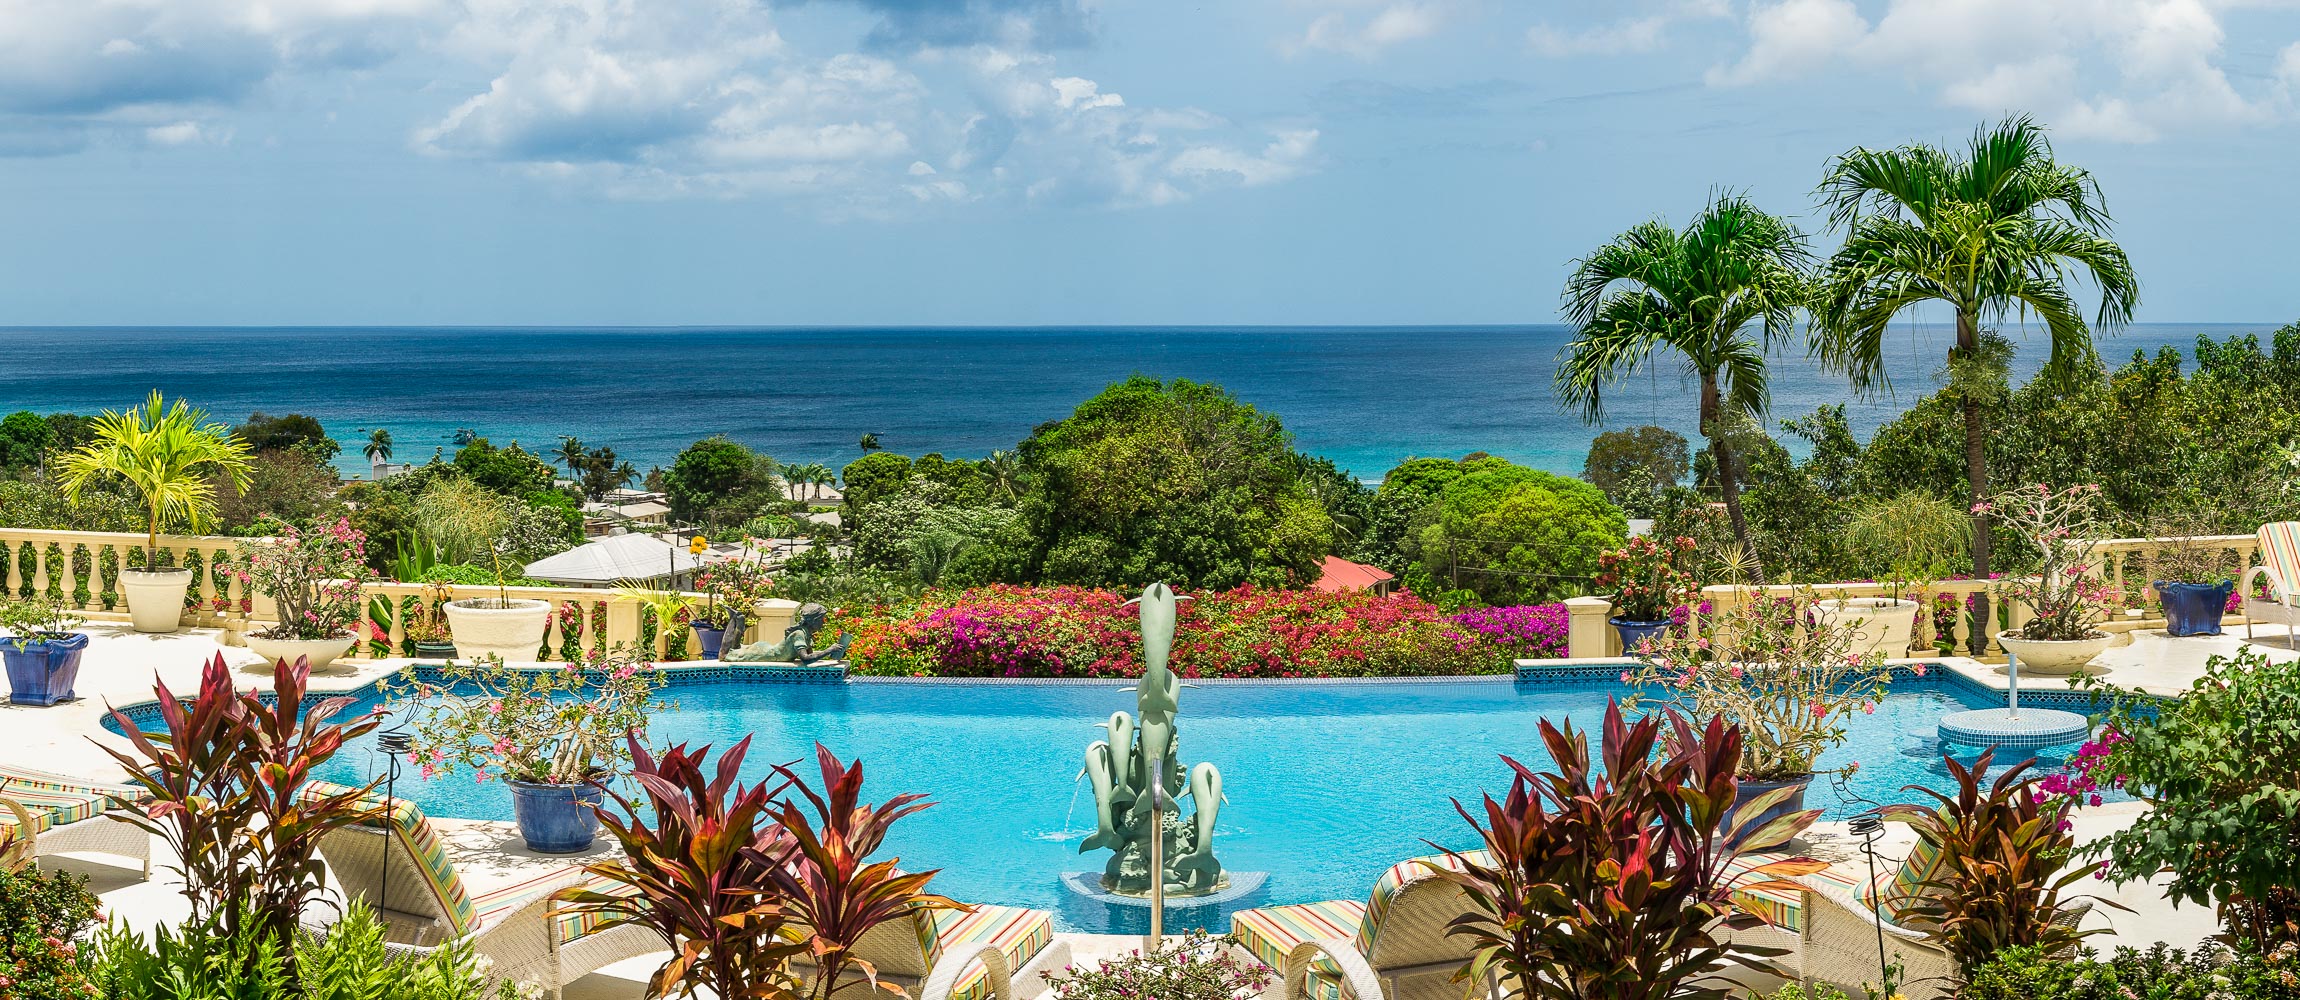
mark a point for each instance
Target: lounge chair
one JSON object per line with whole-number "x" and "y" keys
{"x": 1393, "y": 946}
{"x": 985, "y": 954}
{"x": 1837, "y": 919}
{"x": 527, "y": 934}
{"x": 2279, "y": 545}
{"x": 68, "y": 815}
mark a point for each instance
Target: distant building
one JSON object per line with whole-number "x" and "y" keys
{"x": 1339, "y": 574}
{"x": 618, "y": 559}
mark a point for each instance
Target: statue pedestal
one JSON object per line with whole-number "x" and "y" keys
{"x": 1087, "y": 907}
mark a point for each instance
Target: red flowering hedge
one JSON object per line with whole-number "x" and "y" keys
{"x": 1004, "y": 631}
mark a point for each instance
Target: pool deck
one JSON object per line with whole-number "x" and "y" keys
{"x": 120, "y": 666}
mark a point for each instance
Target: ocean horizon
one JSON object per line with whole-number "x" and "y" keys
{"x": 1365, "y": 397}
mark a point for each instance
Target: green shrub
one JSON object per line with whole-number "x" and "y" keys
{"x": 41, "y": 914}
{"x": 1182, "y": 971}
{"x": 1513, "y": 535}
{"x": 2028, "y": 974}
{"x": 2221, "y": 764}
{"x": 200, "y": 961}
{"x": 2212, "y": 972}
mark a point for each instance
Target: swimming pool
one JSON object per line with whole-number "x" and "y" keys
{"x": 1329, "y": 782}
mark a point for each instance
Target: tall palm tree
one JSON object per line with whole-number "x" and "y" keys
{"x": 819, "y": 476}
{"x": 1005, "y": 470}
{"x": 1998, "y": 227}
{"x": 1695, "y": 291}
{"x": 572, "y": 455}
{"x": 869, "y": 442}
{"x": 379, "y": 447}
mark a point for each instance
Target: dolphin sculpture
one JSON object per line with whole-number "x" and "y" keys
{"x": 1142, "y": 749}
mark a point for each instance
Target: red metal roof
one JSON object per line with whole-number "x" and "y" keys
{"x": 1340, "y": 574}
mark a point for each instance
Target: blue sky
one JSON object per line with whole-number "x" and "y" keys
{"x": 1053, "y": 161}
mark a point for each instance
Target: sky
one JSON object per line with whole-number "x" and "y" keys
{"x": 1028, "y": 162}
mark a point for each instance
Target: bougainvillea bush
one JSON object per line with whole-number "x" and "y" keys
{"x": 1006, "y": 631}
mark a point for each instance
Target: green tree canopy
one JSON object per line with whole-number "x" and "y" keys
{"x": 1512, "y": 535}
{"x": 264, "y": 432}
{"x": 1170, "y": 480}
{"x": 511, "y": 471}
{"x": 1633, "y": 465}
{"x": 720, "y": 481}
{"x": 24, "y": 440}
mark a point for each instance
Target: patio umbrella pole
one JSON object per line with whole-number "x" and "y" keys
{"x": 2012, "y": 689}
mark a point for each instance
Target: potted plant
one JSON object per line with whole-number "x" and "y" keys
{"x": 731, "y": 591}
{"x": 427, "y": 628}
{"x": 553, "y": 734}
{"x": 2191, "y": 580}
{"x": 169, "y": 455}
{"x": 470, "y": 519}
{"x": 42, "y": 650}
{"x": 1775, "y": 667}
{"x": 1910, "y": 541}
{"x": 314, "y": 579}
{"x": 2067, "y": 601}
{"x": 1647, "y": 583}
{"x": 668, "y": 610}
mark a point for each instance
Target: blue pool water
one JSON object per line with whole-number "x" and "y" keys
{"x": 1329, "y": 782}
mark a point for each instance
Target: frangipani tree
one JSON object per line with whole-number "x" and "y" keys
{"x": 1998, "y": 228}
{"x": 1698, "y": 292}
{"x": 168, "y": 453}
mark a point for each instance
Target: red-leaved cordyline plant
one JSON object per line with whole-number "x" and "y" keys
{"x": 226, "y": 779}
{"x": 700, "y": 875}
{"x": 830, "y": 887}
{"x": 2000, "y": 881}
{"x": 1613, "y": 882}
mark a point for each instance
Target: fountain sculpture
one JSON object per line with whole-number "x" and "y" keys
{"x": 1140, "y": 753}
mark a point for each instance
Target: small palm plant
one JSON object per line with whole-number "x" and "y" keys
{"x": 168, "y": 454}
{"x": 466, "y": 519}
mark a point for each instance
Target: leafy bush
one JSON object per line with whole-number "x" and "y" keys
{"x": 2001, "y": 876}
{"x": 1512, "y": 534}
{"x": 720, "y": 481}
{"x": 472, "y": 575}
{"x": 202, "y": 960}
{"x": 1635, "y": 464}
{"x": 313, "y": 578}
{"x": 1171, "y": 971}
{"x": 1527, "y": 631}
{"x": 2212, "y": 972}
{"x": 1003, "y": 631}
{"x": 42, "y": 914}
{"x": 1610, "y": 881}
{"x": 2221, "y": 767}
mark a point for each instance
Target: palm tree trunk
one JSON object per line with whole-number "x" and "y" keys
{"x": 1977, "y": 475}
{"x": 1728, "y": 477}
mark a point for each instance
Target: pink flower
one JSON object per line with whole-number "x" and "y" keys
{"x": 1920, "y": 669}
{"x": 1625, "y": 677}
{"x": 1736, "y": 671}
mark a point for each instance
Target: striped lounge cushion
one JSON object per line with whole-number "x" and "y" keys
{"x": 1272, "y": 931}
{"x": 414, "y": 832}
{"x": 2280, "y": 551}
{"x": 1019, "y": 934}
{"x": 60, "y": 800}
{"x": 569, "y": 925}
{"x": 1782, "y": 908}
{"x": 1893, "y": 894}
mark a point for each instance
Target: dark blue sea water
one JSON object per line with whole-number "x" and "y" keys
{"x": 1365, "y": 397}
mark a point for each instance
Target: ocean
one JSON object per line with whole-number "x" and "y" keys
{"x": 1365, "y": 397}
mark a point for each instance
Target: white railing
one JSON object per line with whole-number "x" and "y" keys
{"x": 81, "y": 569}
{"x": 2127, "y": 562}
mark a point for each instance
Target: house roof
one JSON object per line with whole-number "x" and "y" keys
{"x": 1339, "y": 574}
{"x": 616, "y": 557}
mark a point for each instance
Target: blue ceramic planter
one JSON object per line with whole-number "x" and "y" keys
{"x": 713, "y": 640}
{"x": 1634, "y": 632}
{"x": 2194, "y": 608}
{"x": 1747, "y": 790}
{"x": 43, "y": 670}
{"x": 556, "y": 819}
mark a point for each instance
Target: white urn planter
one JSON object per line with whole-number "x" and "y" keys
{"x": 1880, "y": 624}
{"x": 2054, "y": 657}
{"x": 510, "y": 629}
{"x": 319, "y": 652}
{"x": 155, "y": 597}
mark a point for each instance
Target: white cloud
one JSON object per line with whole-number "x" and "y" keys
{"x": 182, "y": 134}
{"x": 1643, "y": 33}
{"x": 2126, "y": 70}
{"x": 1366, "y": 37}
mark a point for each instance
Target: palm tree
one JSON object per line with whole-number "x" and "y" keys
{"x": 168, "y": 453}
{"x": 624, "y": 473}
{"x": 572, "y": 454}
{"x": 795, "y": 475}
{"x": 818, "y": 476}
{"x": 1998, "y": 228}
{"x": 869, "y": 442}
{"x": 1005, "y": 471}
{"x": 378, "y": 447}
{"x": 1696, "y": 291}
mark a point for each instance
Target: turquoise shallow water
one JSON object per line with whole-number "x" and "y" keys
{"x": 1328, "y": 783}
{"x": 1365, "y": 397}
